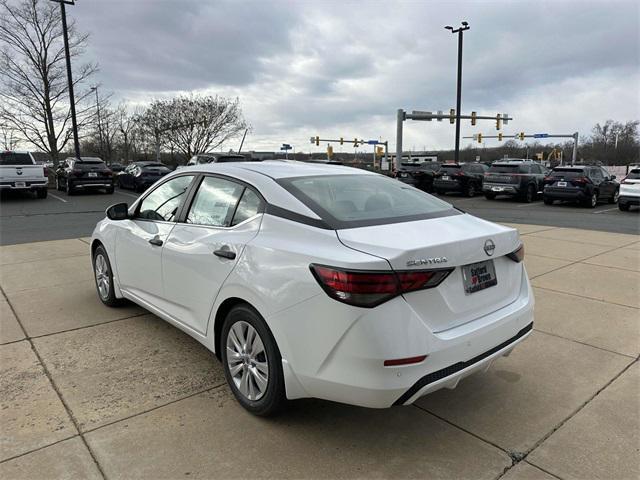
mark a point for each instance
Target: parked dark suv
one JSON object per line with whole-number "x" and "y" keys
{"x": 85, "y": 173}
{"x": 465, "y": 178}
{"x": 139, "y": 176}
{"x": 586, "y": 184}
{"x": 518, "y": 178}
{"x": 419, "y": 175}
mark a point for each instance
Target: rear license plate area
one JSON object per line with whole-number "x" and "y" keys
{"x": 93, "y": 174}
{"x": 20, "y": 184}
{"x": 446, "y": 177}
{"x": 562, "y": 184}
{"x": 478, "y": 276}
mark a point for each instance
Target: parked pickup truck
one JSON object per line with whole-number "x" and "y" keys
{"x": 19, "y": 171}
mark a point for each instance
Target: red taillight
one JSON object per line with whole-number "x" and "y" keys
{"x": 76, "y": 173}
{"x": 548, "y": 179}
{"x": 404, "y": 361}
{"x": 582, "y": 180}
{"x": 108, "y": 172}
{"x": 45, "y": 171}
{"x": 369, "y": 289}
{"x": 518, "y": 254}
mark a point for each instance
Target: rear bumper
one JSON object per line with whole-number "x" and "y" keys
{"x": 447, "y": 185}
{"x": 352, "y": 370}
{"x": 500, "y": 188}
{"x": 94, "y": 183}
{"x": 27, "y": 186}
{"x": 629, "y": 200}
{"x": 560, "y": 194}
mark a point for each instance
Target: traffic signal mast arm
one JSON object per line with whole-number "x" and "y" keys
{"x": 428, "y": 116}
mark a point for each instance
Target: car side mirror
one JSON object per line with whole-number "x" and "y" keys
{"x": 613, "y": 177}
{"x": 119, "y": 211}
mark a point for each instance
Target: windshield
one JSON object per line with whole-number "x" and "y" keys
{"x": 634, "y": 174}
{"x": 347, "y": 201}
{"x": 430, "y": 166}
{"x": 12, "y": 158}
{"x": 567, "y": 173}
{"x": 504, "y": 168}
{"x": 451, "y": 167}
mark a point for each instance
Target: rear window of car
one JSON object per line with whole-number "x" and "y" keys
{"x": 634, "y": 174}
{"x": 431, "y": 167}
{"x": 12, "y": 158}
{"x": 568, "y": 172}
{"x": 504, "y": 168}
{"x": 451, "y": 167}
{"x": 231, "y": 158}
{"x": 89, "y": 164}
{"x": 350, "y": 201}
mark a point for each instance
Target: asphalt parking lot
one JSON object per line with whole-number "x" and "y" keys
{"x": 93, "y": 392}
{"x": 26, "y": 219}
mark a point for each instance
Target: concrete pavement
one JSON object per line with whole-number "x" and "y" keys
{"x": 93, "y": 392}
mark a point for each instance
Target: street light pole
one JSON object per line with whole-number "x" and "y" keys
{"x": 72, "y": 103}
{"x": 95, "y": 89}
{"x": 459, "y": 31}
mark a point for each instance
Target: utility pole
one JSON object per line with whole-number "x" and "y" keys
{"x": 72, "y": 102}
{"x": 459, "y": 31}
{"x": 95, "y": 89}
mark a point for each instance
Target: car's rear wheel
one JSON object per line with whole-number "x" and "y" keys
{"x": 58, "y": 186}
{"x": 252, "y": 362}
{"x": 110, "y": 190}
{"x": 592, "y": 201}
{"x": 624, "y": 207}
{"x": 68, "y": 188}
{"x": 490, "y": 196}
{"x": 614, "y": 197}
{"x": 547, "y": 200}
{"x": 104, "y": 278}
{"x": 470, "y": 190}
{"x": 530, "y": 194}
{"x": 42, "y": 193}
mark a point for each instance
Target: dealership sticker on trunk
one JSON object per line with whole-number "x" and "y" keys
{"x": 479, "y": 276}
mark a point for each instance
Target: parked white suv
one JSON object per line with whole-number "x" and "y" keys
{"x": 630, "y": 190}
{"x": 19, "y": 171}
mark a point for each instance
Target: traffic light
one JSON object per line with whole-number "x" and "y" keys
{"x": 498, "y": 121}
{"x": 520, "y": 135}
{"x": 355, "y": 142}
{"x": 341, "y": 141}
{"x": 479, "y": 138}
{"x": 452, "y": 116}
{"x": 500, "y": 137}
{"x": 379, "y": 151}
{"x": 317, "y": 141}
{"x": 473, "y": 118}
{"x": 329, "y": 151}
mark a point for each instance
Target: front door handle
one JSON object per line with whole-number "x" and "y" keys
{"x": 156, "y": 241}
{"x": 224, "y": 253}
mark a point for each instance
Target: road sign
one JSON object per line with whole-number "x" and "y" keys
{"x": 286, "y": 146}
{"x": 372, "y": 142}
{"x": 540, "y": 135}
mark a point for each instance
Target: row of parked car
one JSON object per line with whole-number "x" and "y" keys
{"x": 525, "y": 180}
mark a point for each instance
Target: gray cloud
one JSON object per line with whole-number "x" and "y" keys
{"x": 302, "y": 68}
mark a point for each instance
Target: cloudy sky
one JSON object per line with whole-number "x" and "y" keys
{"x": 302, "y": 68}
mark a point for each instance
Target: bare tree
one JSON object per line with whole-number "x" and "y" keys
{"x": 193, "y": 124}
{"x": 34, "y": 98}
{"x": 8, "y": 139}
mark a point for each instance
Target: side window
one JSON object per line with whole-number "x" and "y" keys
{"x": 163, "y": 202}
{"x": 597, "y": 174}
{"x": 214, "y": 202}
{"x": 535, "y": 169}
{"x": 248, "y": 207}
{"x": 605, "y": 173}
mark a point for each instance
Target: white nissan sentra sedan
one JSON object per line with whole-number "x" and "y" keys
{"x": 318, "y": 280}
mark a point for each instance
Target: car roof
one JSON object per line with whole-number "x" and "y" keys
{"x": 572, "y": 167}
{"x": 278, "y": 169}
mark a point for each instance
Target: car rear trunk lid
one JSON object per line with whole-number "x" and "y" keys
{"x": 461, "y": 241}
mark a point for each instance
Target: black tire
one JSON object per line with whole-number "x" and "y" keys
{"x": 68, "y": 188}
{"x": 274, "y": 397}
{"x": 490, "y": 196}
{"x": 624, "y": 207}
{"x": 470, "y": 191}
{"x": 614, "y": 198}
{"x": 58, "y": 186}
{"x": 592, "y": 201}
{"x": 440, "y": 192}
{"x": 547, "y": 200}
{"x": 529, "y": 194}
{"x": 42, "y": 193}
{"x": 110, "y": 190}
{"x": 109, "y": 299}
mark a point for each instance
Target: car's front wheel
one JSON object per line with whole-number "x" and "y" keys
{"x": 592, "y": 201}
{"x": 104, "y": 278}
{"x": 490, "y": 196}
{"x": 252, "y": 362}
{"x": 547, "y": 200}
{"x": 614, "y": 197}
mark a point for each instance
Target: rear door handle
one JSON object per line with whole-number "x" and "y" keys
{"x": 156, "y": 241}
{"x": 225, "y": 254}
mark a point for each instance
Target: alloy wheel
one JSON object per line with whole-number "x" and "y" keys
{"x": 247, "y": 360}
{"x": 594, "y": 200}
{"x": 102, "y": 276}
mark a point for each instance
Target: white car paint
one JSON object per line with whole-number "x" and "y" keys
{"x": 329, "y": 349}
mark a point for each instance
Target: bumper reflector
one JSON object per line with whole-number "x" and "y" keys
{"x": 404, "y": 361}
